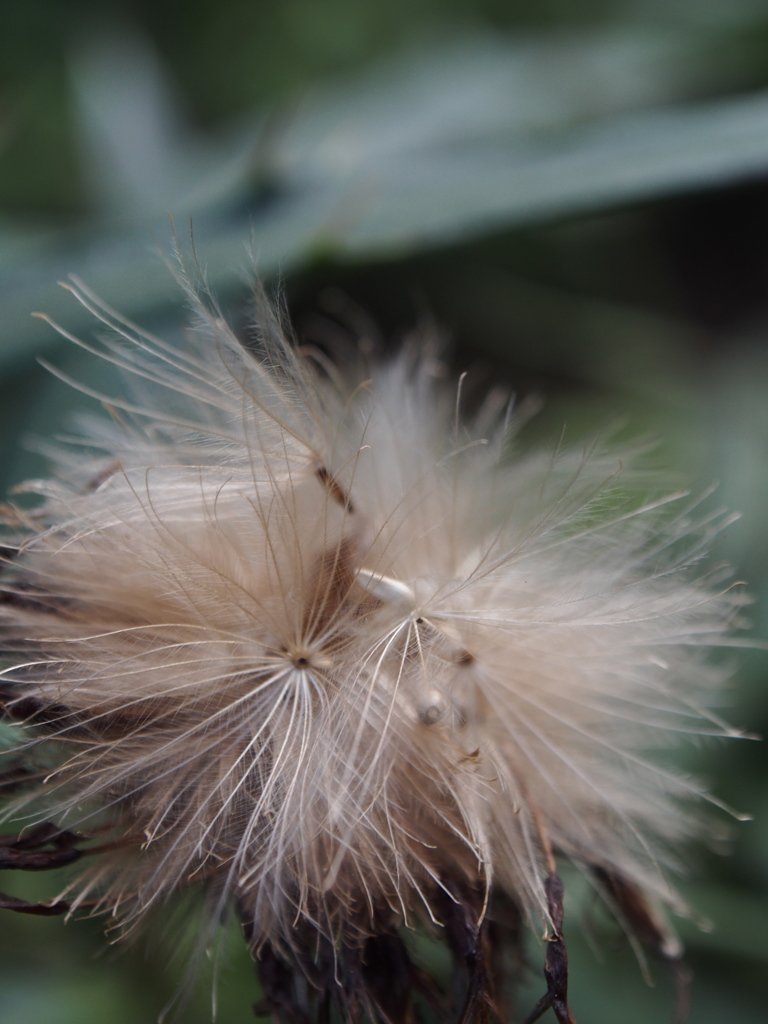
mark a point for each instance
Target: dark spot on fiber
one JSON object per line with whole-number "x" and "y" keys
{"x": 333, "y": 487}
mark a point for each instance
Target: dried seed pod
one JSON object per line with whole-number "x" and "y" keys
{"x": 350, "y": 666}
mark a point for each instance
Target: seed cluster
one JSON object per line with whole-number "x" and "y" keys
{"x": 352, "y": 665}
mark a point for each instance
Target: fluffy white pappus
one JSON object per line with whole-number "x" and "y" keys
{"x": 314, "y": 640}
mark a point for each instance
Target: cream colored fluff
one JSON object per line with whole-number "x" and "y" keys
{"x": 316, "y": 642}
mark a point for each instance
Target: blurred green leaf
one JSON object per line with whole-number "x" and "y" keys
{"x": 139, "y": 155}
{"x": 428, "y": 151}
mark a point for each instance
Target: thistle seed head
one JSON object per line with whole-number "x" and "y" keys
{"x": 313, "y": 643}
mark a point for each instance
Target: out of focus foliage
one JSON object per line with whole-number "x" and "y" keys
{"x": 576, "y": 191}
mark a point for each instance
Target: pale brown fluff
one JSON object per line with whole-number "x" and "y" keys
{"x": 316, "y": 641}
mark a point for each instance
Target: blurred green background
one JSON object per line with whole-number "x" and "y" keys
{"x": 576, "y": 191}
